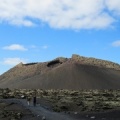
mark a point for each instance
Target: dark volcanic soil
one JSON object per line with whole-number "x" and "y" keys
{"x": 17, "y": 109}
{"x": 14, "y": 110}
{"x": 62, "y": 73}
{"x": 60, "y": 104}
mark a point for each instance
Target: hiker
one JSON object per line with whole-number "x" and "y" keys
{"x": 28, "y": 100}
{"x": 34, "y": 101}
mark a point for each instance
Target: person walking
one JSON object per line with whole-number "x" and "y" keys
{"x": 28, "y": 100}
{"x": 34, "y": 100}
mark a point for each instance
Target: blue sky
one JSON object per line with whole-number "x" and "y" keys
{"x": 39, "y": 31}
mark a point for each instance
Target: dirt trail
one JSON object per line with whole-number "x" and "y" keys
{"x": 40, "y": 111}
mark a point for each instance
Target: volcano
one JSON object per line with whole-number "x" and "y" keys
{"x": 73, "y": 73}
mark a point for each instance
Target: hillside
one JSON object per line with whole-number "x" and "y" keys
{"x": 77, "y": 72}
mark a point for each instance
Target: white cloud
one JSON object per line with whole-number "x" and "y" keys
{"x": 45, "y": 47}
{"x": 116, "y": 43}
{"x": 70, "y": 14}
{"x": 114, "y": 6}
{"x": 13, "y": 61}
{"x": 15, "y": 47}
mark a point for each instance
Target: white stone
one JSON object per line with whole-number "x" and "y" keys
{"x": 43, "y": 118}
{"x": 92, "y": 117}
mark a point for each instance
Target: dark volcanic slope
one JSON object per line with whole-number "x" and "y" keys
{"x": 62, "y": 73}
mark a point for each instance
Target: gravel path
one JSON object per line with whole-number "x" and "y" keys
{"x": 40, "y": 111}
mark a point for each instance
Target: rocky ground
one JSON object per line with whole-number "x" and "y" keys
{"x": 64, "y": 104}
{"x": 14, "y": 110}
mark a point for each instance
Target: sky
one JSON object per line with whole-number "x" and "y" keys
{"x": 42, "y": 30}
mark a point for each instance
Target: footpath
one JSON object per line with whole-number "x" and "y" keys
{"x": 41, "y": 112}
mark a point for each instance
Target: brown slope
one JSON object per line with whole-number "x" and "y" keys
{"x": 63, "y": 74}
{"x": 77, "y": 76}
{"x": 72, "y": 76}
